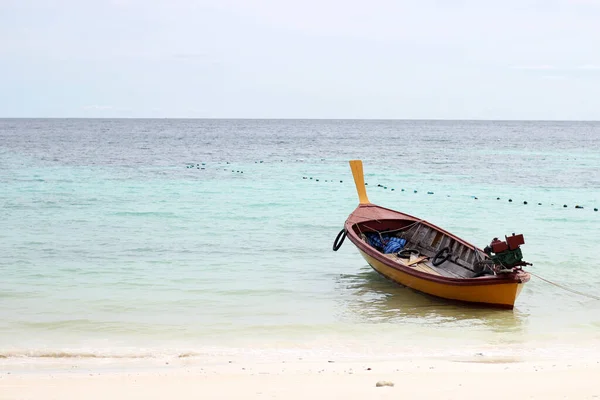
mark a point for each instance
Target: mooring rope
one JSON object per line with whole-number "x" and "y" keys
{"x": 565, "y": 288}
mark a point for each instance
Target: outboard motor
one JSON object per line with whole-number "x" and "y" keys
{"x": 507, "y": 254}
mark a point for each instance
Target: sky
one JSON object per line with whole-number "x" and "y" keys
{"x": 427, "y": 59}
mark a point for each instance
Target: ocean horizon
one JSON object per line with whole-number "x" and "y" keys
{"x": 5, "y": 118}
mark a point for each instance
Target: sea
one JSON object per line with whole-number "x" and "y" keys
{"x": 156, "y": 239}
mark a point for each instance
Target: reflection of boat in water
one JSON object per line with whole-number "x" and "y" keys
{"x": 424, "y": 257}
{"x": 371, "y": 298}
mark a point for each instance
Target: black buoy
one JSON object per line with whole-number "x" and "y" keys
{"x": 366, "y": 183}
{"x": 578, "y": 206}
{"x": 497, "y": 198}
{"x": 539, "y": 204}
{"x": 415, "y": 191}
{"x": 510, "y": 200}
{"x": 403, "y": 190}
{"x": 565, "y": 206}
{"x": 341, "y": 181}
{"x": 524, "y": 202}
{"x": 595, "y": 209}
{"x": 429, "y": 192}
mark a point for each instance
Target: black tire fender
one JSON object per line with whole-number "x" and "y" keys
{"x": 339, "y": 239}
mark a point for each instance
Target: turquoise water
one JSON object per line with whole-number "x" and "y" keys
{"x": 113, "y": 245}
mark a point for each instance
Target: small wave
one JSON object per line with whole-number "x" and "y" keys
{"x": 8, "y": 294}
{"x": 77, "y": 325}
{"x": 147, "y": 214}
{"x": 74, "y": 354}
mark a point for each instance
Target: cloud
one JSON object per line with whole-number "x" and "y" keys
{"x": 96, "y": 107}
{"x": 589, "y": 67}
{"x": 569, "y": 69}
{"x": 542, "y": 67}
{"x": 189, "y": 55}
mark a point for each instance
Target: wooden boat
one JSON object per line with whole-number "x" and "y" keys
{"x": 431, "y": 260}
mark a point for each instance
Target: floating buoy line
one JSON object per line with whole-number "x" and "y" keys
{"x": 510, "y": 200}
{"x": 203, "y": 166}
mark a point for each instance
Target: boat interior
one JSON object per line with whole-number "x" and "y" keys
{"x": 422, "y": 247}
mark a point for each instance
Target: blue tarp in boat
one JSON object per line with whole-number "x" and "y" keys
{"x": 385, "y": 242}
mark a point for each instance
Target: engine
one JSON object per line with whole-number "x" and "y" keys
{"x": 507, "y": 253}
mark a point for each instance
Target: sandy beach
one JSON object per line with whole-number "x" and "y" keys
{"x": 474, "y": 378}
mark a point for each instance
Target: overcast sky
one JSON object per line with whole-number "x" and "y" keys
{"x": 444, "y": 59}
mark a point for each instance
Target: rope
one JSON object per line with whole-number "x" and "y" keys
{"x": 565, "y": 288}
{"x": 407, "y": 227}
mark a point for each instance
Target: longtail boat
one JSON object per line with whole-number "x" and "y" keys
{"x": 422, "y": 256}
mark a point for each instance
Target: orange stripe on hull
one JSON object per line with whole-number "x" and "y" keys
{"x": 501, "y": 295}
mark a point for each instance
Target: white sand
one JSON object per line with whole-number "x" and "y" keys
{"x": 477, "y": 378}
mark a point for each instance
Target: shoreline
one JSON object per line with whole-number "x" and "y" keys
{"x": 468, "y": 378}
{"x": 382, "y": 346}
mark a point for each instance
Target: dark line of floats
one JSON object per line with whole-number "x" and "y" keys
{"x": 202, "y": 166}
{"x": 430, "y": 193}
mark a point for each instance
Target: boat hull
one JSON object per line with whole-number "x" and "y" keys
{"x": 500, "y": 294}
